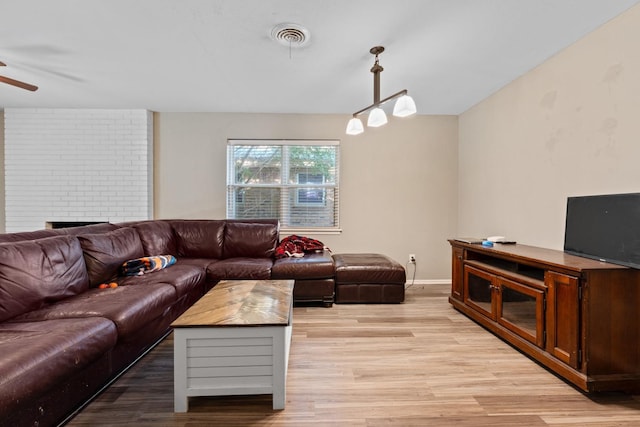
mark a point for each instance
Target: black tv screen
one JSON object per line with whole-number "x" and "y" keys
{"x": 606, "y": 228}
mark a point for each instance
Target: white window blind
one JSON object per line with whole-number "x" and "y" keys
{"x": 296, "y": 181}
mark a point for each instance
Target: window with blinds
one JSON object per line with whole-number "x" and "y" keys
{"x": 296, "y": 181}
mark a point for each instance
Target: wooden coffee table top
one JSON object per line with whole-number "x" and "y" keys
{"x": 241, "y": 303}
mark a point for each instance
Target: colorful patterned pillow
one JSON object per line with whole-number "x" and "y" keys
{"x": 147, "y": 264}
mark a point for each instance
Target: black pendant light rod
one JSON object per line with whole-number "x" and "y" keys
{"x": 376, "y": 70}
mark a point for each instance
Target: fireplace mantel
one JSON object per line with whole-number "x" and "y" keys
{"x": 67, "y": 224}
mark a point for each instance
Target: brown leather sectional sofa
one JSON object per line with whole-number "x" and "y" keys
{"x": 62, "y": 338}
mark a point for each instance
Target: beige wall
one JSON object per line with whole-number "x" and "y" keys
{"x": 569, "y": 127}
{"x": 398, "y": 183}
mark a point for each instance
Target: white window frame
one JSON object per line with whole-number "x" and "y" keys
{"x": 285, "y": 187}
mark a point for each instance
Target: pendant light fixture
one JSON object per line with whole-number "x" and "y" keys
{"x": 405, "y": 106}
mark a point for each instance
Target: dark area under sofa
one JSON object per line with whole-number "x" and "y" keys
{"x": 62, "y": 338}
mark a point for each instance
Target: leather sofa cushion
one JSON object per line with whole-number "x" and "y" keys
{"x": 38, "y": 355}
{"x": 250, "y": 240}
{"x": 157, "y": 238}
{"x": 205, "y": 263}
{"x": 368, "y": 268}
{"x": 182, "y": 276}
{"x": 129, "y": 307}
{"x": 310, "y": 266}
{"x": 240, "y": 269}
{"x": 105, "y": 253}
{"x": 38, "y": 272}
{"x": 199, "y": 238}
{"x": 197, "y": 262}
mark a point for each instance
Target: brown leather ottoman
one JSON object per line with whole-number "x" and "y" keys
{"x": 368, "y": 278}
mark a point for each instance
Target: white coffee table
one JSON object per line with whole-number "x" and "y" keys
{"x": 234, "y": 341}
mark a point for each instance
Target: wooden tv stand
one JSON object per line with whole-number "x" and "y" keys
{"x": 578, "y": 317}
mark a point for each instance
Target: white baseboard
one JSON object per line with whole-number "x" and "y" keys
{"x": 428, "y": 282}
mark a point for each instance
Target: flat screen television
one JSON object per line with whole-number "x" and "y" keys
{"x": 604, "y": 227}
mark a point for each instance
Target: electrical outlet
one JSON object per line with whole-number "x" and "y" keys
{"x": 412, "y": 258}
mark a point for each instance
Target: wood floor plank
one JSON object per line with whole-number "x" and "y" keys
{"x": 420, "y": 363}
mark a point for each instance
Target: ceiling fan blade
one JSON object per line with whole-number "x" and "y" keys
{"x": 2, "y": 64}
{"x": 18, "y": 83}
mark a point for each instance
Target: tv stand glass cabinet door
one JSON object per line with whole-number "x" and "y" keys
{"x": 479, "y": 290}
{"x": 517, "y": 307}
{"x": 521, "y": 309}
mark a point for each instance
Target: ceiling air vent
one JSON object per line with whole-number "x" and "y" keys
{"x": 291, "y": 35}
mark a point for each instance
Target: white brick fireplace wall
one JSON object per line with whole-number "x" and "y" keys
{"x": 77, "y": 165}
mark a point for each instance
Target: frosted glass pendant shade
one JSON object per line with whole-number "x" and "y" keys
{"x": 377, "y": 117}
{"x": 404, "y": 106}
{"x": 354, "y": 127}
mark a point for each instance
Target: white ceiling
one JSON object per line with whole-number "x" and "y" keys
{"x": 217, "y": 56}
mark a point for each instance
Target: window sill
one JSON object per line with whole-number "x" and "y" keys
{"x": 309, "y": 230}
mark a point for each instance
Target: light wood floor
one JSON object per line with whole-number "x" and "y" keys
{"x": 420, "y": 363}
